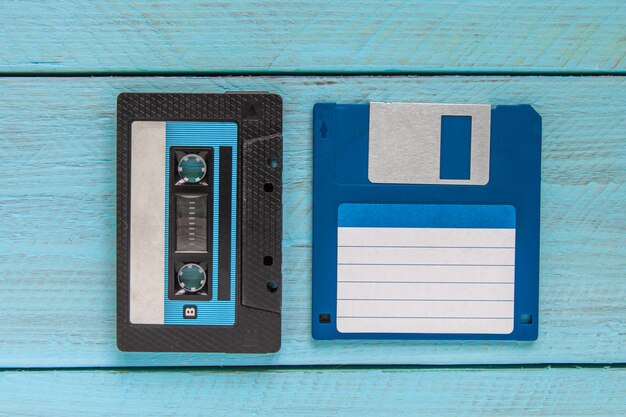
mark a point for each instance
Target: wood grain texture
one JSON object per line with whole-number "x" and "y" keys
{"x": 57, "y": 217}
{"x": 321, "y": 36}
{"x": 391, "y": 392}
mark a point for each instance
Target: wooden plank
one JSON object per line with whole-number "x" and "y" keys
{"x": 314, "y": 392}
{"x": 58, "y": 219}
{"x": 322, "y": 36}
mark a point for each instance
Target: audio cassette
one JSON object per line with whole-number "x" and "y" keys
{"x": 426, "y": 221}
{"x": 199, "y": 222}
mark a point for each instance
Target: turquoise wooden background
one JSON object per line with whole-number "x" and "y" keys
{"x": 62, "y": 64}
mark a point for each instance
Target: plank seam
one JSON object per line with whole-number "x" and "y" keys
{"x": 257, "y": 368}
{"x": 278, "y": 73}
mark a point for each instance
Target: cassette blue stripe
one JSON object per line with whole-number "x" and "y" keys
{"x": 427, "y": 215}
{"x": 214, "y": 134}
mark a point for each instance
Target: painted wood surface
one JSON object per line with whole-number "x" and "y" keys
{"x": 321, "y": 392}
{"x": 57, "y": 198}
{"x": 321, "y": 36}
{"x": 57, "y": 216}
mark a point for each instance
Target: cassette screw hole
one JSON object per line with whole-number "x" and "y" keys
{"x": 268, "y": 187}
{"x": 272, "y": 286}
{"x": 268, "y": 260}
{"x": 272, "y": 161}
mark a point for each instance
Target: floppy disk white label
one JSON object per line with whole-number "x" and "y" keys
{"x": 425, "y": 269}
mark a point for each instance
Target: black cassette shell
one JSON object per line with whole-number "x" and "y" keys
{"x": 259, "y": 223}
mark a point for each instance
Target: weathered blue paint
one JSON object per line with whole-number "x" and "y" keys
{"x": 61, "y": 225}
{"x": 321, "y": 36}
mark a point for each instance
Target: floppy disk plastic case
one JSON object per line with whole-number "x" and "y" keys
{"x": 426, "y": 221}
{"x": 199, "y": 222}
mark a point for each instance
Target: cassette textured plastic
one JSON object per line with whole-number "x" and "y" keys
{"x": 199, "y": 220}
{"x": 426, "y": 221}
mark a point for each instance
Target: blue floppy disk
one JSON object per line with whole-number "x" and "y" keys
{"x": 426, "y": 221}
